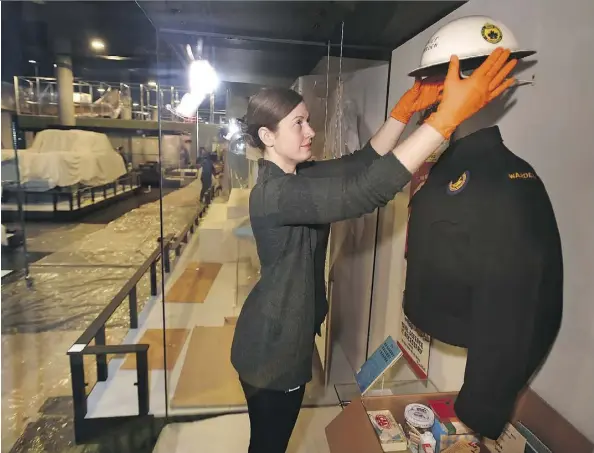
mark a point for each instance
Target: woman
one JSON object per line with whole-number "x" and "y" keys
{"x": 291, "y": 207}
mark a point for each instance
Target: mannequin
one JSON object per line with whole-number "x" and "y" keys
{"x": 484, "y": 268}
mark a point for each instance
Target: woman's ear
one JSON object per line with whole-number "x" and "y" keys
{"x": 266, "y": 136}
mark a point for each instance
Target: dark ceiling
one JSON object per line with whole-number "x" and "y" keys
{"x": 245, "y": 40}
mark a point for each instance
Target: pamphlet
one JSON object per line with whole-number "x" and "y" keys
{"x": 382, "y": 359}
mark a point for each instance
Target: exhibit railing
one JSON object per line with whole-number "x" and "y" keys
{"x": 84, "y": 428}
{"x": 39, "y": 96}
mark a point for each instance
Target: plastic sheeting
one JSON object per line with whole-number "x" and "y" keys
{"x": 72, "y": 285}
{"x": 64, "y": 158}
{"x": 131, "y": 238}
{"x": 65, "y": 298}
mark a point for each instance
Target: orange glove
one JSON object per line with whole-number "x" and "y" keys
{"x": 462, "y": 98}
{"x": 423, "y": 94}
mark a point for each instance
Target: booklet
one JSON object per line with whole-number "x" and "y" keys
{"x": 382, "y": 359}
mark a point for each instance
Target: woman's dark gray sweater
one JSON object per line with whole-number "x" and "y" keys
{"x": 290, "y": 216}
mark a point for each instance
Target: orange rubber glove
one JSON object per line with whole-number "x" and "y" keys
{"x": 462, "y": 98}
{"x": 423, "y": 94}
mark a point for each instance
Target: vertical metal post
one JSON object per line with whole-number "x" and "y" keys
{"x": 166, "y": 260}
{"x": 101, "y": 358}
{"x": 79, "y": 394}
{"x": 71, "y": 201}
{"x": 154, "y": 278}
{"x": 133, "y": 304}
{"x": 141, "y": 101}
{"x": 21, "y": 207}
{"x": 142, "y": 382}
{"x": 38, "y": 89}
{"x": 17, "y": 94}
{"x": 212, "y": 108}
{"x": 92, "y": 195}
{"x": 78, "y": 198}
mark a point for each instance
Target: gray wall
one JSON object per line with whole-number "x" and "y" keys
{"x": 550, "y": 125}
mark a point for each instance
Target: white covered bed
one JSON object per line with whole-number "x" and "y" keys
{"x": 64, "y": 158}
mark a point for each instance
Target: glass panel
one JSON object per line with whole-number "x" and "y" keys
{"x": 385, "y": 387}
{"x": 218, "y": 266}
{"x": 82, "y": 226}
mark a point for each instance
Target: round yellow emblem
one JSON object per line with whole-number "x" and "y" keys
{"x": 458, "y": 185}
{"x": 491, "y": 33}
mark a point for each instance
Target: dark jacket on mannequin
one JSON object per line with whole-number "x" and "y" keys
{"x": 485, "y": 272}
{"x": 290, "y": 215}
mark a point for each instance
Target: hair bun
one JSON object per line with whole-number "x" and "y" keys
{"x": 252, "y": 138}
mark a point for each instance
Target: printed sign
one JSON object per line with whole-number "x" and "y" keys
{"x": 510, "y": 441}
{"x": 415, "y": 346}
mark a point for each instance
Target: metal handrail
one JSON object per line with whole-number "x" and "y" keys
{"x": 96, "y": 330}
{"x": 39, "y": 96}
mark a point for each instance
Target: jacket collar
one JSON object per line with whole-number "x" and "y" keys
{"x": 268, "y": 169}
{"x": 487, "y": 137}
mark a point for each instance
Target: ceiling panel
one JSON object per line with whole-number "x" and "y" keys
{"x": 278, "y": 38}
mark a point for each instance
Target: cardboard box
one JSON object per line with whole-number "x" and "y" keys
{"x": 352, "y": 432}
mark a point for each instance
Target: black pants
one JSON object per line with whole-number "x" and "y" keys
{"x": 273, "y": 415}
{"x": 206, "y": 185}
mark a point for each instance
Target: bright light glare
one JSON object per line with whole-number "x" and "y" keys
{"x": 233, "y": 127}
{"x": 152, "y": 83}
{"x": 97, "y": 44}
{"x": 189, "y": 104}
{"x": 32, "y": 62}
{"x": 203, "y": 77}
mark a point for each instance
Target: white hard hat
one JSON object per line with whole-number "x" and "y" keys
{"x": 472, "y": 39}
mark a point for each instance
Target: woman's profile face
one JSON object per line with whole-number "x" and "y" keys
{"x": 294, "y": 135}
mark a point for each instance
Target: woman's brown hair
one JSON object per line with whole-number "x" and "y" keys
{"x": 266, "y": 109}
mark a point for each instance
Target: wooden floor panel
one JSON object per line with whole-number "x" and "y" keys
{"x": 193, "y": 285}
{"x": 175, "y": 339}
{"x": 208, "y": 378}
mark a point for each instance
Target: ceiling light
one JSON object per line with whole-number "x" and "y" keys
{"x": 101, "y": 90}
{"x": 55, "y": 65}
{"x": 32, "y": 62}
{"x": 97, "y": 44}
{"x": 115, "y": 58}
{"x": 152, "y": 83}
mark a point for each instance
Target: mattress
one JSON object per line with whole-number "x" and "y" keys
{"x": 64, "y": 158}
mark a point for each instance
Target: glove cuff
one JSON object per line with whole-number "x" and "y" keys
{"x": 445, "y": 128}
{"x": 400, "y": 115}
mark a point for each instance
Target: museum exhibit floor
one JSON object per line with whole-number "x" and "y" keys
{"x": 199, "y": 332}
{"x": 77, "y": 269}
{"x": 76, "y": 278}
{"x": 212, "y": 435}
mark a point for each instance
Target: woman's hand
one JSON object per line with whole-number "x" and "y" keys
{"x": 422, "y": 95}
{"x": 462, "y": 98}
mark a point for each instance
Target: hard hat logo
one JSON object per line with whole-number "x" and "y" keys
{"x": 491, "y": 33}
